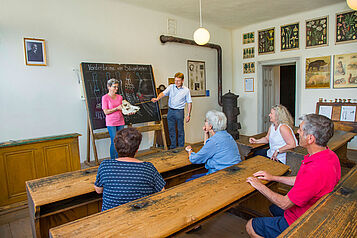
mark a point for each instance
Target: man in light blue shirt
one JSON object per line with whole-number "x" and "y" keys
{"x": 220, "y": 149}
{"x": 179, "y": 95}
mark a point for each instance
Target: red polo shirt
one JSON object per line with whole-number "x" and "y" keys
{"x": 318, "y": 175}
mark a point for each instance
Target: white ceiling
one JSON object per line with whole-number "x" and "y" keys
{"x": 232, "y": 14}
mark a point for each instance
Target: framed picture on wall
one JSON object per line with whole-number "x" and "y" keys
{"x": 317, "y": 32}
{"x": 248, "y": 53}
{"x": 248, "y": 38}
{"x": 266, "y": 41}
{"x": 289, "y": 37}
{"x": 249, "y": 85}
{"x": 345, "y": 71}
{"x": 35, "y": 52}
{"x": 346, "y": 27}
{"x": 249, "y": 68}
{"x": 318, "y": 72}
{"x": 196, "y": 78}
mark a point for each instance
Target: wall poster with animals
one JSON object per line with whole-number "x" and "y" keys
{"x": 317, "y": 32}
{"x": 289, "y": 36}
{"x": 346, "y": 27}
{"x": 318, "y": 72}
{"x": 266, "y": 41}
{"x": 345, "y": 71}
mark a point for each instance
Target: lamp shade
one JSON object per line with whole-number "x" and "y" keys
{"x": 352, "y": 4}
{"x": 201, "y": 36}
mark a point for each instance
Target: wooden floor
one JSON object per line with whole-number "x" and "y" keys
{"x": 17, "y": 224}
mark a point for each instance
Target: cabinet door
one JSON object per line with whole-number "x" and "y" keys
{"x": 17, "y": 167}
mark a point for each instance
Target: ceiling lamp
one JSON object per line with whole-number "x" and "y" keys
{"x": 352, "y": 4}
{"x": 201, "y": 35}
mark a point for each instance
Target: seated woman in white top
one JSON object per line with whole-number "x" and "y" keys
{"x": 280, "y": 135}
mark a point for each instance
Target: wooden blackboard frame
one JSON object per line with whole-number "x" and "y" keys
{"x": 92, "y": 125}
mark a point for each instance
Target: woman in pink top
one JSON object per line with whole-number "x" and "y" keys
{"x": 112, "y": 107}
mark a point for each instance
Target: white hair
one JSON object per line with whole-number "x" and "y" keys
{"x": 217, "y": 120}
{"x": 112, "y": 81}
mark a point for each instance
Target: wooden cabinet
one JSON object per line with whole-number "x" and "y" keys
{"x": 25, "y": 160}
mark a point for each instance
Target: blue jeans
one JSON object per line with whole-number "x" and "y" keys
{"x": 112, "y": 132}
{"x": 176, "y": 116}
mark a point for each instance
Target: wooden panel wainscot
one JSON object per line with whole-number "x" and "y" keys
{"x": 34, "y": 158}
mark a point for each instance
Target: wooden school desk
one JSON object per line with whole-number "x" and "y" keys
{"x": 334, "y": 215}
{"x": 66, "y": 197}
{"x": 176, "y": 209}
{"x": 246, "y": 148}
{"x": 338, "y": 144}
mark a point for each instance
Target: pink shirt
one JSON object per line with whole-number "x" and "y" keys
{"x": 115, "y": 118}
{"x": 318, "y": 175}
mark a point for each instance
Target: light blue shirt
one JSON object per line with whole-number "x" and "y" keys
{"x": 219, "y": 152}
{"x": 178, "y": 97}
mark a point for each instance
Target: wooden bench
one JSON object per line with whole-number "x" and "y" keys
{"x": 176, "y": 209}
{"x": 334, "y": 215}
{"x": 338, "y": 144}
{"x": 66, "y": 197}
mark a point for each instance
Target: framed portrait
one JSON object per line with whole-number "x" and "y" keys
{"x": 345, "y": 71}
{"x": 35, "y": 52}
{"x": 318, "y": 72}
{"x": 248, "y": 53}
{"x": 249, "y": 85}
{"x": 249, "y": 68}
{"x": 248, "y": 38}
{"x": 346, "y": 27}
{"x": 266, "y": 41}
{"x": 196, "y": 78}
{"x": 317, "y": 32}
{"x": 289, "y": 37}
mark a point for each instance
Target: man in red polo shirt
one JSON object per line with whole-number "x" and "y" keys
{"x": 319, "y": 173}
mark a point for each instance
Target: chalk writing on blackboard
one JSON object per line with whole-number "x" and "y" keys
{"x": 136, "y": 85}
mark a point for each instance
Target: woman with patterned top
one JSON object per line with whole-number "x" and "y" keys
{"x": 126, "y": 179}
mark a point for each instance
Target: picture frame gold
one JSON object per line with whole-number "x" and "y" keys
{"x": 266, "y": 41}
{"x": 35, "y": 52}
{"x": 314, "y": 36}
{"x": 248, "y": 84}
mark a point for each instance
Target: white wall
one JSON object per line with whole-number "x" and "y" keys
{"x": 306, "y": 98}
{"x": 44, "y": 101}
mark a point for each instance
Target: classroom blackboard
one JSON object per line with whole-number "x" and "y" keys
{"x": 136, "y": 85}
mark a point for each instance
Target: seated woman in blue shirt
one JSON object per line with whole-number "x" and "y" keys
{"x": 220, "y": 149}
{"x": 125, "y": 178}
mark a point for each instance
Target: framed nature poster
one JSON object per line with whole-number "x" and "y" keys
{"x": 249, "y": 68}
{"x": 248, "y": 53}
{"x": 345, "y": 71}
{"x": 318, "y": 72}
{"x": 266, "y": 41}
{"x": 317, "y": 32}
{"x": 248, "y": 38}
{"x": 196, "y": 77}
{"x": 346, "y": 27}
{"x": 289, "y": 37}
